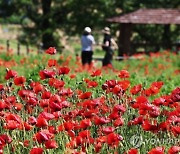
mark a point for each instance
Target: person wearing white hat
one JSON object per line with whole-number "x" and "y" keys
{"x": 108, "y": 42}
{"x": 87, "y": 42}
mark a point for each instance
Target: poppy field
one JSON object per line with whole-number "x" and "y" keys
{"x": 50, "y": 104}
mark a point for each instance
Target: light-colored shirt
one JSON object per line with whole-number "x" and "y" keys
{"x": 87, "y": 41}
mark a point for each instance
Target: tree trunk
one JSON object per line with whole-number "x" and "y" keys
{"x": 46, "y": 27}
{"x": 124, "y": 40}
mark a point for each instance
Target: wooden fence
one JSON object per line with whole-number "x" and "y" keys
{"x": 17, "y": 47}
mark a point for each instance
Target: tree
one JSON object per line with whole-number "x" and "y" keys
{"x": 44, "y": 18}
{"x": 6, "y": 8}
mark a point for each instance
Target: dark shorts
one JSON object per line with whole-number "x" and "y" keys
{"x": 86, "y": 57}
{"x": 108, "y": 57}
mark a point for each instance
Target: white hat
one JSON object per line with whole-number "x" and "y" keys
{"x": 87, "y": 29}
{"x": 106, "y": 30}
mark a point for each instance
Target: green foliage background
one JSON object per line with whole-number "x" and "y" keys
{"x": 41, "y": 19}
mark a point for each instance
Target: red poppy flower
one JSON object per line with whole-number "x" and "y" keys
{"x": 71, "y": 133}
{"x": 79, "y": 140}
{"x": 142, "y": 103}
{"x": 147, "y": 126}
{"x": 98, "y": 147}
{"x": 85, "y": 95}
{"x": 51, "y": 51}
{"x": 105, "y": 86}
{"x": 172, "y": 118}
{"x": 19, "y": 80}
{"x": 85, "y": 123}
{"x": 55, "y": 103}
{"x": 175, "y": 95}
{"x": 57, "y": 114}
{"x": 68, "y": 126}
{"x": 11, "y": 125}
{"x": 66, "y": 92}
{"x": 10, "y": 74}
{"x": 124, "y": 84}
{"x": 141, "y": 99}
{"x": 17, "y": 106}
{"x": 4, "y": 139}
{"x": 26, "y": 143}
{"x": 72, "y": 76}
{"x": 92, "y": 84}
{"x": 44, "y": 74}
{"x": 159, "y": 101}
{"x": 10, "y": 101}
{"x": 148, "y": 92}
{"x": 119, "y": 108}
{"x": 63, "y": 70}
{"x": 164, "y": 126}
{"x": 51, "y": 144}
{"x": 32, "y": 101}
{"x": 26, "y": 126}
{"x": 46, "y": 95}
{"x": 117, "y": 90}
{"x": 2, "y": 105}
{"x": 108, "y": 130}
{"x": 154, "y": 90}
{"x": 32, "y": 120}
{"x": 118, "y": 122}
{"x": 56, "y": 83}
{"x": 60, "y": 128}
{"x": 111, "y": 83}
{"x": 175, "y": 130}
{"x": 100, "y": 120}
{"x": 113, "y": 139}
{"x": 174, "y": 150}
{"x": 157, "y": 150}
{"x": 33, "y": 83}
{"x": 41, "y": 122}
{"x": 43, "y": 136}
{"x": 13, "y": 117}
{"x": 136, "y": 89}
{"x": 124, "y": 74}
{"x": 101, "y": 139}
{"x": 114, "y": 115}
{"x": 38, "y": 88}
{"x": 36, "y": 151}
{"x": 1, "y": 87}
{"x": 85, "y": 134}
{"x": 157, "y": 84}
{"x": 89, "y": 104}
{"x": 96, "y": 73}
{"x": 46, "y": 115}
{"x": 136, "y": 121}
{"x": 154, "y": 112}
{"x": 132, "y": 151}
{"x": 52, "y": 129}
{"x": 65, "y": 104}
{"x": 52, "y": 62}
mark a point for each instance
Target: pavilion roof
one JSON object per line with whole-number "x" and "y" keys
{"x": 149, "y": 16}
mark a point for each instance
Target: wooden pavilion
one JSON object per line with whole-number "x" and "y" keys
{"x": 143, "y": 16}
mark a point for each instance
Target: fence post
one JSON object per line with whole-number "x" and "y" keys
{"x": 27, "y": 49}
{"x": 7, "y": 45}
{"x": 18, "y": 48}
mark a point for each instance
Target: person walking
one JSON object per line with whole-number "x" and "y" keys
{"x": 108, "y": 42}
{"x": 87, "y": 42}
